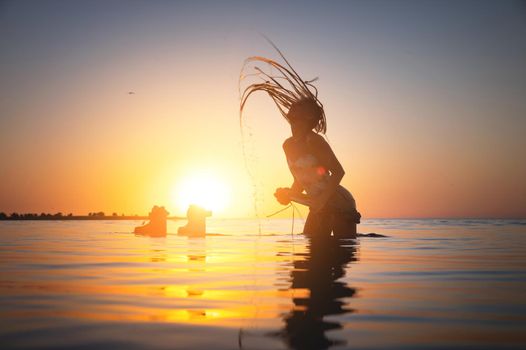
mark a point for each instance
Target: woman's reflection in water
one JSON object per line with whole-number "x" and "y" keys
{"x": 319, "y": 272}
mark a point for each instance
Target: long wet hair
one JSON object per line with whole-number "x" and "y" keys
{"x": 286, "y": 88}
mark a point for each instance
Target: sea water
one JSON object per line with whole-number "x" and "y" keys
{"x": 430, "y": 284}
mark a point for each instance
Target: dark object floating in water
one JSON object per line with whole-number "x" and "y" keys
{"x": 196, "y": 226}
{"x": 372, "y": 234}
{"x": 157, "y": 225}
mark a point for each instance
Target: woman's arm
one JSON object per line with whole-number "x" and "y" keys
{"x": 296, "y": 187}
{"x": 330, "y": 162}
{"x": 295, "y": 193}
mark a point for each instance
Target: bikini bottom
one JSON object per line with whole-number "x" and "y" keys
{"x": 332, "y": 222}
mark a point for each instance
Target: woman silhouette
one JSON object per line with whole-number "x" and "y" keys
{"x": 316, "y": 170}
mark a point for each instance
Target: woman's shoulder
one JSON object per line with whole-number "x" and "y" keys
{"x": 313, "y": 140}
{"x": 287, "y": 143}
{"x": 317, "y": 140}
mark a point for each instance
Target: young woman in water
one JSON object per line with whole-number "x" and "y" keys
{"x": 316, "y": 171}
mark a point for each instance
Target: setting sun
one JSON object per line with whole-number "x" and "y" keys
{"x": 203, "y": 189}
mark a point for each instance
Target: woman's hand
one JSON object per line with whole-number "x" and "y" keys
{"x": 283, "y": 195}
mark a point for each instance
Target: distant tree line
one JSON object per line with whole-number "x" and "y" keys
{"x": 61, "y": 216}
{"x": 4, "y": 216}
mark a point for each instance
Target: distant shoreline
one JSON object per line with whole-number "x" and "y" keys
{"x": 82, "y": 217}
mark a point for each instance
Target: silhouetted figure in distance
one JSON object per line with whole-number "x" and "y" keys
{"x": 196, "y": 225}
{"x": 157, "y": 225}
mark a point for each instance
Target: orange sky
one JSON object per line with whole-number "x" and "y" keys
{"x": 424, "y": 125}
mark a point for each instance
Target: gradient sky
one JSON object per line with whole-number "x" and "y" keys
{"x": 425, "y": 101}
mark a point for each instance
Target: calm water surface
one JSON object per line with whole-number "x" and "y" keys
{"x": 431, "y": 284}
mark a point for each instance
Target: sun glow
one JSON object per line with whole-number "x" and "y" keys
{"x": 204, "y": 189}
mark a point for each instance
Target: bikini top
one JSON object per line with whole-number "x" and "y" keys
{"x": 310, "y": 173}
